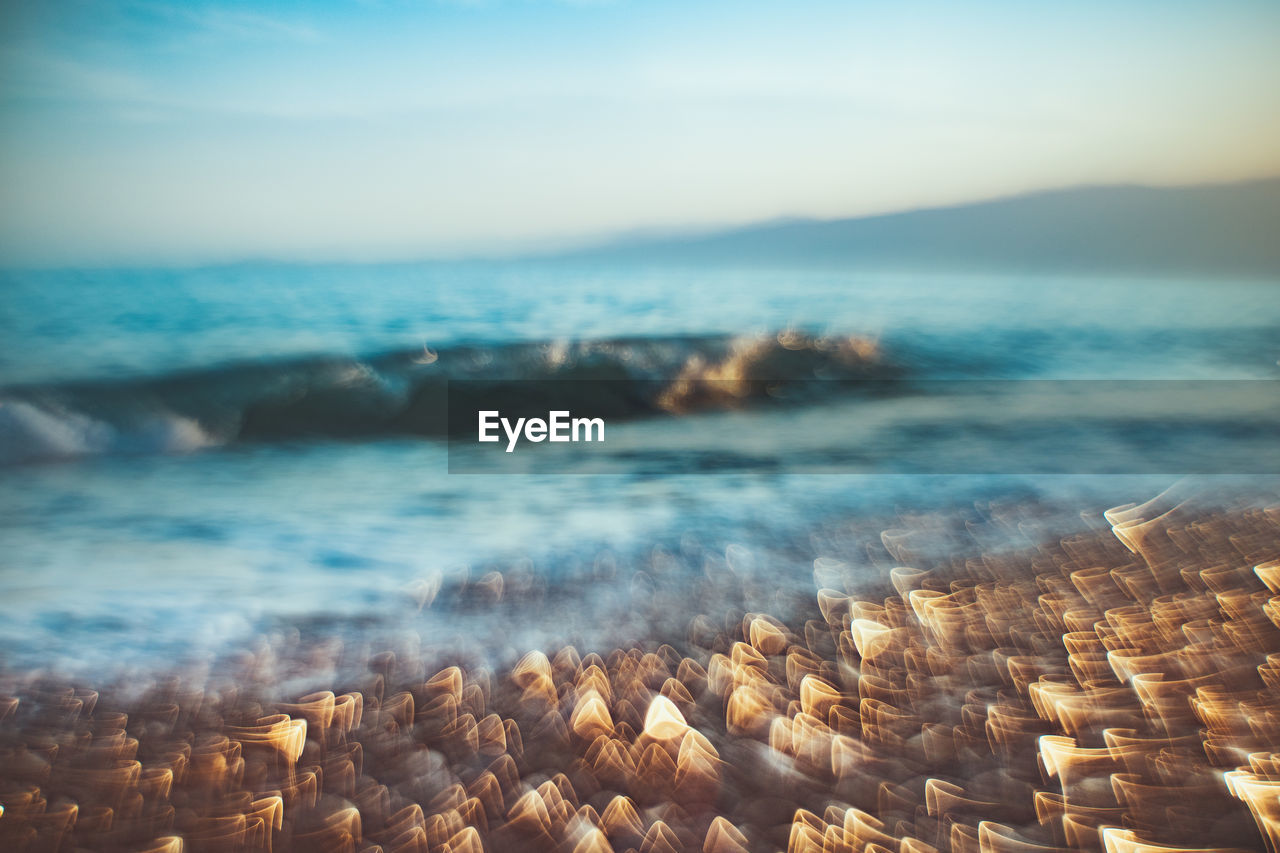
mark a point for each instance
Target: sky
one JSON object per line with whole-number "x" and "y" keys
{"x": 164, "y": 132}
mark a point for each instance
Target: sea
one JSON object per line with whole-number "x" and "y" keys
{"x": 194, "y": 460}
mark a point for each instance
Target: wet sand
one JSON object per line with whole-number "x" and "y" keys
{"x": 1117, "y": 689}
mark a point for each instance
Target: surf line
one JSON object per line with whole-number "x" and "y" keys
{"x": 557, "y": 426}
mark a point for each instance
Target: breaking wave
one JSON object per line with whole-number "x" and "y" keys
{"x": 404, "y": 392}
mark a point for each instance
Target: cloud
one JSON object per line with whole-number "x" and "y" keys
{"x": 221, "y": 22}
{"x": 120, "y": 61}
{"x": 150, "y": 25}
{"x": 39, "y": 74}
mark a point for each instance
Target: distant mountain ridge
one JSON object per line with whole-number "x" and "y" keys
{"x": 1211, "y": 229}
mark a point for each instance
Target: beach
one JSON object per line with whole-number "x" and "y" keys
{"x": 1110, "y": 689}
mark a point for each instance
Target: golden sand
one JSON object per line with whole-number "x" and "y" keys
{"x": 1114, "y": 690}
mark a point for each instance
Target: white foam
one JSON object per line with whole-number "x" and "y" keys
{"x": 29, "y": 433}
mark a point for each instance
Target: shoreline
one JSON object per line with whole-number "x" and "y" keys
{"x": 1120, "y": 680}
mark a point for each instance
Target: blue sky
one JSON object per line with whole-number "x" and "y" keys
{"x": 165, "y": 132}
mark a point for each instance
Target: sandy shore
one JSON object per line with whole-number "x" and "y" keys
{"x": 1115, "y": 689}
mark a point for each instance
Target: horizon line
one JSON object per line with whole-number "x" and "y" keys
{"x": 569, "y": 246}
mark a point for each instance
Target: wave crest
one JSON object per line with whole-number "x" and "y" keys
{"x": 404, "y": 393}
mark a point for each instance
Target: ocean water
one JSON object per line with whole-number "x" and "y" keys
{"x": 190, "y": 458}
